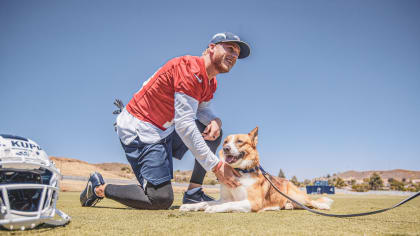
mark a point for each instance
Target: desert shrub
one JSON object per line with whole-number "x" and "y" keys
{"x": 295, "y": 181}
{"x": 181, "y": 178}
{"x": 414, "y": 187}
{"x": 364, "y": 187}
{"x": 339, "y": 183}
{"x": 411, "y": 188}
{"x": 396, "y": 185}
{"x": 210, "y": 181}
{"x": 126, "y": 169}
{"x": 176, "y": 178}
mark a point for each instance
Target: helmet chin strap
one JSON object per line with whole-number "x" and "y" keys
{"x": 65, "y": 219}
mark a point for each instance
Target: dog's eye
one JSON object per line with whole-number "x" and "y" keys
{"x": 225, "y": 142}
{"x": 239, "y": 141}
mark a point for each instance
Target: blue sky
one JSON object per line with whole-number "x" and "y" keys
{"x": 332, "y": 85}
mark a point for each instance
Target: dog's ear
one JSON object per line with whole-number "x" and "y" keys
{"x": 254, "y": 136}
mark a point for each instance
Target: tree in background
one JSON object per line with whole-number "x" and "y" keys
{"x": 339, "y": 183}
{"x": 295, "y": 181}
{"x": 306, "y": 182}
{"x": 281, "y": 174}
{"x": 375, "y": 182}
{"x": 396, "y": 185}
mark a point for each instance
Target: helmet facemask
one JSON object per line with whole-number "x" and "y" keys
{"x": 29, "y": 186}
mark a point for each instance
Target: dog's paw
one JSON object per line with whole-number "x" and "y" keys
{"x": 193, "y": 207}
{"x": 212, "y": 209}
{"x": 288, "y": 206}
{"x": 184, "y": 207}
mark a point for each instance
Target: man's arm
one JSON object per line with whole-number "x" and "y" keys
{"x": 206, "y": 116}
{"x": 205, "y": 113}
{"x": 185, "y": 110}
{"x": 185, "y": 115}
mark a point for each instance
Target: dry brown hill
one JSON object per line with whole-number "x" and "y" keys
{"x": 397, "y": 174}
{"x": 75, "y": 167}
{"x": 114, "y": 170}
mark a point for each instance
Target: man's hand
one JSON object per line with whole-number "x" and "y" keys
{"x": 226, "y": 174}
{"x": 212, "y": 131}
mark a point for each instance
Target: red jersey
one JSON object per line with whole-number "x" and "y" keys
{"x": 154, "y": 102}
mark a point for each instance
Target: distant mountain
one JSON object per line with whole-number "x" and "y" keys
{"x": 115, "y": 170}
{"x": 397, "y": 174}
{"x": 75, "y": 167}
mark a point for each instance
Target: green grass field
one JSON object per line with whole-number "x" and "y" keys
{"x": 111, "y": 218}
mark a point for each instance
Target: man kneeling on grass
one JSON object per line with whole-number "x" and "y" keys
{"x": 167, "y": 116}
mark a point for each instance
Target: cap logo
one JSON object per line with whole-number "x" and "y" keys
{"x": 219, "y": 35}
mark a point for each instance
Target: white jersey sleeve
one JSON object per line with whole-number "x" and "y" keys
{"x": 185, "y": 116}
{"x": 204, "y": 113}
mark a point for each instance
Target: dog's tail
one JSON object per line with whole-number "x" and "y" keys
{"x": 323, "y": 203}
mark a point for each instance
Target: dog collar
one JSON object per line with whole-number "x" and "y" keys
{"x": 247, "y": 170}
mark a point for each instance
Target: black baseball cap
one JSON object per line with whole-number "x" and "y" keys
{"x": 230, "y": 37}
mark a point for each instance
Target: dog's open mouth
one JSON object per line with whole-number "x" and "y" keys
{"x": 229, "y": 158}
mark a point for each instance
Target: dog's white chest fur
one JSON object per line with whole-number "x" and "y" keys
{"x": 240, "y": 193}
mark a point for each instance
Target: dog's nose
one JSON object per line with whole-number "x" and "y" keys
{"x": 226, "y": 149}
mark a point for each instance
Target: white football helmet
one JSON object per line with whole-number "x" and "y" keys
{"x": 29, "y": 185}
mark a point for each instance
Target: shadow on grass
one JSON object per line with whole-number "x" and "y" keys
{"x": 117, "y": 208}
{"x": 46, "y": 228}
{"x": 38, "y": 229}
{"x": 129, "y": 208}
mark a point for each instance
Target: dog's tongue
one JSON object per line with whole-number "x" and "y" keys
{"x": 229, "y": 158}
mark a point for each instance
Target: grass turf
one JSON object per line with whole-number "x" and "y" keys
{"x": 111, "y": 218}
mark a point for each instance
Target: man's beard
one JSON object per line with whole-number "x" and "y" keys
{"x": 220, "y": 67}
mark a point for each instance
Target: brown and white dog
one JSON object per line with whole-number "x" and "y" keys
{"x": 255, "y": 193}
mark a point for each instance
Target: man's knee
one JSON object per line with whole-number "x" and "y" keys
{"x": 163, "y": 201}
{"x": 161, "y": 197}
